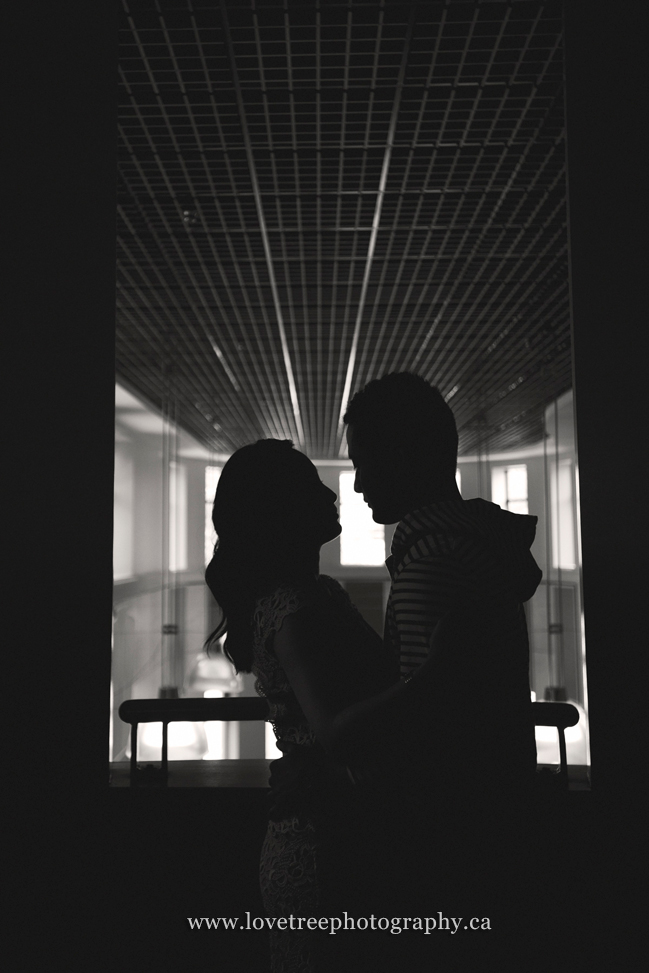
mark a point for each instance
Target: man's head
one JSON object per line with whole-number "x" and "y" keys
{"x": 403, "y": 441}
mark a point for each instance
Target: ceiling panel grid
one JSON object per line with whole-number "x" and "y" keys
{"x": 313, "y": 194}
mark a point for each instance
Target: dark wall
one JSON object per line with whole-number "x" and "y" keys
{"x": 606, "y": 120}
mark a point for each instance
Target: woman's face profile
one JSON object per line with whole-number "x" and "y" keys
{"x": 312, "y": 509}
{"x": 281, "y": 498}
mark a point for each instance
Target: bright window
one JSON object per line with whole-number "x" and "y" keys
{"x": 562, "y": 516}
{"x": 123, "y": 554}
{"x": 509, "y": 488}
{"x": 272, "y": 751}
{"x": 177, "y": 517}
{"x": 362, "y": 541}
{"x": 212, "y": 474}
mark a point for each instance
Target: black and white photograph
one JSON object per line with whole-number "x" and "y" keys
{"x": 325, "y": 337}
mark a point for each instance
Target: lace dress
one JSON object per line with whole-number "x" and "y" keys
{"x": 315, "y": 817}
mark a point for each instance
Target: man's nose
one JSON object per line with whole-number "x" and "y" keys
{"x": 358, "y": 486}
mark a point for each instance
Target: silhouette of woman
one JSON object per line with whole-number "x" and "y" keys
{"x": 329, "y": 682}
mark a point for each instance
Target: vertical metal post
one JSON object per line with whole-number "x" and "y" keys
{"x": 166, "y": 679}
{"x": 559, "y": 654}
{"x": 164, "y": 751}
{"x": 133, "y": 752}
{"x": 563, "y": 759}
{"x": 168, "y": 674}
{"x": 547, "y": 510}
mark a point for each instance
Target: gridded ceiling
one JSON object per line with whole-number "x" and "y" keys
{"x": 313, "y": 194}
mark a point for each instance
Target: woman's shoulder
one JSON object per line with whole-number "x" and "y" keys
{"x": 302, "y": 592}
{"x": 289, "y": 597}
{"x": 334, "y": 595}
{"x": 289, "y": 591}
{"x": 330, "y": 587}
{"x": 282, "y": 599}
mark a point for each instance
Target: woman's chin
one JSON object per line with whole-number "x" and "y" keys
{"x": 331, "y": 533}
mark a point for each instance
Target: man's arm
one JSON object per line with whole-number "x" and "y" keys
{"x": 312, "y": 671}
{"x": 423, "y": 592}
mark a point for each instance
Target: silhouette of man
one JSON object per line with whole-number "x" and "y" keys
{"x": 465, "y": 561}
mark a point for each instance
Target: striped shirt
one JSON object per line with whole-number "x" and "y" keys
{"x": 450, "y": 554}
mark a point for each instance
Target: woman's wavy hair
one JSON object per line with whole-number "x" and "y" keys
{"x": 256, "y": 547}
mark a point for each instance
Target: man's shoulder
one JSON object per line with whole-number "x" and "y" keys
{"x": 434, "y": 531}
{"x": 451, "y": 532}
{"x": 426, "y": 555}
{"x": 434, "y": 578}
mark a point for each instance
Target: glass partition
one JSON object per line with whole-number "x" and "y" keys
{"x": 163, "y": 537}
{"x": 162, "y": 610}
{"x": 542, "y": 480}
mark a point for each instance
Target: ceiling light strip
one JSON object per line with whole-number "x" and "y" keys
{"x": 486, "y": 226}
{"x": 172, "y": 301}
{"x": 369, "y": 336}
{"x": 460, "y": 255}
{"x": 464, "y": 141}
{"x": 434, "y": 309}
{"x": 375, "y": 226}
{"x": 515, "y": 278}
{"x": 264, "y": 233}
{"x": 161, "y": 319}
{"x": 272, "y": 354}
{"x": 266, "y": 414}
{"x": 160, "y": 211}
{"x": 423, "y": 191}
{"x": 307, "y": 387}
{"x": 338, "y": 326}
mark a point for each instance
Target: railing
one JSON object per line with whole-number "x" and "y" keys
{"x": 560, "y": 715}
{"x": 166, "y": 711}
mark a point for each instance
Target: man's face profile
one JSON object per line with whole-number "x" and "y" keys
{"x": 378, "y": 463}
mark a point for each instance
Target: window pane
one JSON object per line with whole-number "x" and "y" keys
{"x": 562, "y": 517}
{"x": 499, "y": 486}
{"x": 517, "y": 483}
{"x": 272, "y": 751}
{"x": 362, "y": 541}
{"x": 177, "y": 517}
{"x": 509, "y": 488}
{"x": 212, "y": 474}
{"x": 124, "y": 507}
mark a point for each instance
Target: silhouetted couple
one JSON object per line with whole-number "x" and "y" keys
{"x": 394, "y": 749}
